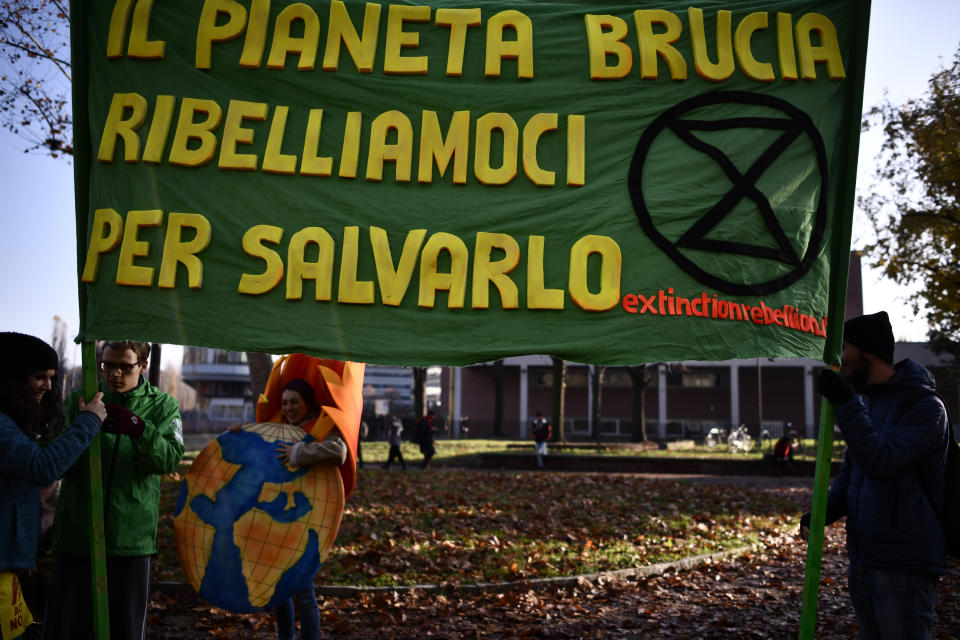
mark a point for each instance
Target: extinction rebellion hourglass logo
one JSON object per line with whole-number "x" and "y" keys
{"x": 732, "y": 186}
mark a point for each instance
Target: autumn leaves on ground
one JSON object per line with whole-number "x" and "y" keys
{"x": 454, "y": 527}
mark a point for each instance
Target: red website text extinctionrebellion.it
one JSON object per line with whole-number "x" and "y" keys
{"x": 666, "y": 303}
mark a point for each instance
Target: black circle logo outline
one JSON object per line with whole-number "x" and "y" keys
{"x": 635, "y": 185}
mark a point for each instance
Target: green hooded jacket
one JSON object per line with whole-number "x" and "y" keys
{"x": 132, "y": 510}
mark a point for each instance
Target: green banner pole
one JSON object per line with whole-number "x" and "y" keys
{"x": 98, "y": 549}
{"x": 811, "y": 584}
{"x": 839, "y": 272}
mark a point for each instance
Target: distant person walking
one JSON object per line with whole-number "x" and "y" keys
{"x": 395, "y": 439}
{"x": 425, "y": 433}
{"x": 541, "y": 432}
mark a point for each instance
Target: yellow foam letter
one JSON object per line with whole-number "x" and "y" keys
{"x": 255, "y": 40}
{"x": 455, "y": 282}
{"x": 481, "y": 160}
{"x": 536, "y": 126}
{"x": 605, "y": 36}
{"x": 394, "y": 282}
{"x": 520, "y": 49}
{"x": 394, "y": 61}
{"x": 117, "y": 34}
{"x": 610, "y": 266}
{"x": 653, "y": 44}
{"x": 235, "y": 133}
{"x": 128, "y": 273}
{"x": 760, "y": 71}
{"x": 400, "y": 153}
{"x": 350, "y": 153}
{"x": 284, "y": 43}
{"x": 187, "y": 130}
{"x": 253, "y": 241}
{"x": 298, "y": 269}
{"x": 126, "y": 128}
{"x": 175, "y": 250}
{"x": 828, "y": 51}
{"x": 788, "y": 62}
{"x": 104, "y": 238}
{"x": 341, "y": 29}
{"x": 487, "y": 272}
{"x": 140, "y": 46}
{"x": 459, "y": 20}
{"x": 538, "y": 296}
{"x": 576, "y": 150}
{"x": 159, "y": 129}
{"x": 724, "y": 66}
{"x": 351, "y": 290}
{"x": 433, "y": 146}
{"x": 209, "y": 32}
{"x": 274, "y": 160}
{"x": 311, "y": 164}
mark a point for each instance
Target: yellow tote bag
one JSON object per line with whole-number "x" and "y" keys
{"x": 14, "y": 615}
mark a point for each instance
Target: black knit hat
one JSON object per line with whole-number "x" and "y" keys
{"x": 872, "y": 334}
{"x": 22, "y": 354}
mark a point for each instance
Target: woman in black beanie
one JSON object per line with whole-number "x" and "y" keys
{"x": 29, "y": 410}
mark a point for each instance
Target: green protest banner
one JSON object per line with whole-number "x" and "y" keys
{"x": 456, "y": 182}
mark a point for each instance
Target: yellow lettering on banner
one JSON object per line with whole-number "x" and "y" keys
{"x": 351, "y": 290}
{"x": 394, "y": 62}
{"x": 255, "y": 38}
{"x": 350, "y": 153}
{"x": 499, "y": 49}
{"x": 828, "y": 51}
{"x": 433, "y": 146}
{"x": 132, "y": 247}
{"x": 187, "y": 130}
{"x": 274, "y": 160}
{"x": 362, "y": 50}
{"x": 481, "y": 159}
{"x": 311, "y": 164}
{"x": 140, "y": 46}
{"x": 285, "y": 43}
{"x": 298, "y": 269}
{"x": 159, "y": 129}
{"x": 253, "y": 241}
{"x": 394, "y": 282}
{"x": 117, "y": 33}
{"x": 610, "y": 267}
{"x": 431, "y": 281}
{"x": 724, "y": 66}
{"x": 536, "y": 127}
{"x": 659, "y": 44}
{"x": 538, "y": 296}
{"x": 176, "y": 250}
{"x": 401, "y": 152}
{"x": 605, "y": 36}
{"x": 104, "y": 238}
{"x": 123, "y": 127}
{"x": 785, "y": 55}
{"x": 487, "y": 271}
{"x": 759, "y": 71}
{"x": 459, "y": 21}
{"x": 208, "y": 31}
{"x": 576, "y": 150}
{"x": 235, "y": 133}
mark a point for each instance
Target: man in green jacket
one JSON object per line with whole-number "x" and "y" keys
{"x": 142, "y": 439}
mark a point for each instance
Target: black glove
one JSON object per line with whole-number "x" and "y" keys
{"x": 805, "y": 525}
{"x": 834, "y": 388}
{"x": 122, "y": 420}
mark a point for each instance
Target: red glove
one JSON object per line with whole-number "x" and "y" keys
{"x": 122, "y": 420}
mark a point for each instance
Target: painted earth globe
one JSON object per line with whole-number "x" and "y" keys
{"x": 251, "y": 531}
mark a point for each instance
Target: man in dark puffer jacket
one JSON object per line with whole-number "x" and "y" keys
{"x": 890, "y": 488}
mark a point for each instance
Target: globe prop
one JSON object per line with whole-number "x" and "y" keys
{"x": 251, "y": 531}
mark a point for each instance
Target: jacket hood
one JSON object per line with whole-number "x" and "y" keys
{"x": 907, "y": 375}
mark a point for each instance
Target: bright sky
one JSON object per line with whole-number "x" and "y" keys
{"x": 908, "y": 42}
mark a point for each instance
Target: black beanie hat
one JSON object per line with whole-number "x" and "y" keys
{"x": 872, "y": 334}
{"x": 23, "y": 354}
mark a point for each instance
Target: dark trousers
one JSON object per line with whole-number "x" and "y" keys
{"x": 69, "y": 612}
{"x": 395, "y": 454}
{"x": 892, "y": 605}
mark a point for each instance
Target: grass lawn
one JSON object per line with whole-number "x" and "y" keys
{"x": 456, "y": 526}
